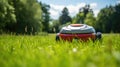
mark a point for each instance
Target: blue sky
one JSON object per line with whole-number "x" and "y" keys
{"x": 74, "y": 5}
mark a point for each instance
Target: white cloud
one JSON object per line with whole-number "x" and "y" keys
{"x": 93, "y": 5}
{"x": 56, "y": 7}
{"x": 55, "y": 10}
{"x": 74, "y": 9}
{"x": 118, "y": 1}
{"x": 96, "y": 12}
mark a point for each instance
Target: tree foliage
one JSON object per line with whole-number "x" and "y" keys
{"x": 116, "y": 19}
{"x": 7, "y": 15}
{"x": 45, "y": 16}
{"x": 64, "y": 18}
{"x": 90, "y": 19}
{"x": 108, "y": 19}
{"x": 81, "y": 16}
{"x": 54, "y": 27}
{"x": 20, "y": 16}
{"x": 28, "y": 15}
{"x": 24, "y": 16}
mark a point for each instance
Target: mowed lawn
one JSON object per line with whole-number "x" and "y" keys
{"x": 44, "y": 51}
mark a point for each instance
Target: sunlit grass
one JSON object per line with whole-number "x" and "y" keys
{"x": 44, "y": 51}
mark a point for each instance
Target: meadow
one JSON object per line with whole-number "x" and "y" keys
{"x": 44, "y": 51}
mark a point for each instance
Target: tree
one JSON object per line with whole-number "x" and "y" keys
{"x": 29, "y": 15}
{"x": 55, "y": 26}
{"x": 80, "y": 17}
{"x": 45, "y": 16}
{"x": 64, "y": 18}
{"x": 116, "y": 19}
{"x": 105, "y": 19}
{"x": 7, "y": 15}
{"x": 90, "y": 19}
{"x": 108, "y": 19}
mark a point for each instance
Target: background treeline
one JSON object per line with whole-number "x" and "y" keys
{"x": 23, "y": 16}
{"x": 32, "y": 17}
{"x": 107, "y": 20}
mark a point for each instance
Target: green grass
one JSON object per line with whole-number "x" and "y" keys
{"x": 44, "y": 51}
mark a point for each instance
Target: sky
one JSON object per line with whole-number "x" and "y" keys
{"x": 74, "y": 6}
